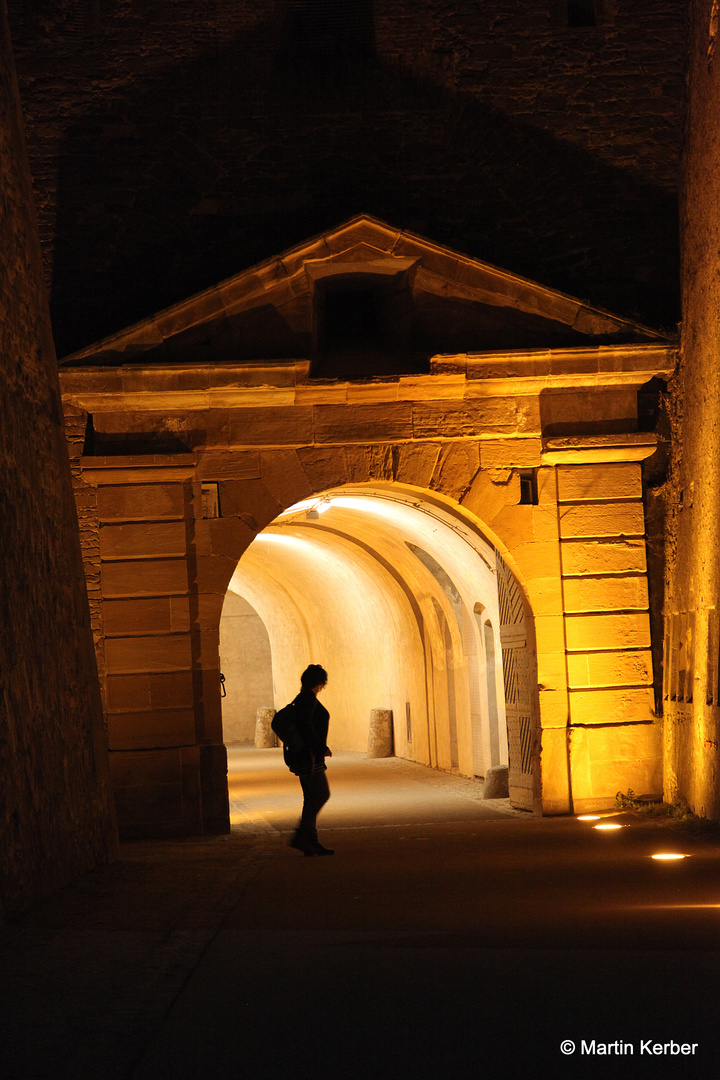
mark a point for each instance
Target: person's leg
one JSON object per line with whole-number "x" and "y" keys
{"x": 316, "y": 792}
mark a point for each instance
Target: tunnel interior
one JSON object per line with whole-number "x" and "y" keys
{"x": 396, "y": 595}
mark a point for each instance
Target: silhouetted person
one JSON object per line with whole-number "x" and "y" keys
{"x": 311, "y": 721}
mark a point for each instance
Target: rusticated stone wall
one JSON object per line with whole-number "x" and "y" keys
{"x": 174, "y": 144}
{"x": 55, "y": 818}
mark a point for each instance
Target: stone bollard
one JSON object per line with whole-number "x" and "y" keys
{"x": 264, "y": 734}
{"x": 496, "y": 783}
{"x": 380, "y": 736}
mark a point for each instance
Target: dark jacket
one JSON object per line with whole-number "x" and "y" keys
{"x": 311, "y": 720}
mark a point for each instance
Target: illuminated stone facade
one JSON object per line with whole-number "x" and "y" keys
{"x": 692, "y": 642}
{"x": 533, "y": 450}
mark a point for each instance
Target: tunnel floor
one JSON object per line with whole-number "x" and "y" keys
{"x": 445, "y": 938}
{"x": 365, "y": 793}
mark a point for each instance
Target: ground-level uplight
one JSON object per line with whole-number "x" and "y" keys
{"x": 606, "y": 825}
{"x": 589, "y": 817}
{"x": 668, "y": 856}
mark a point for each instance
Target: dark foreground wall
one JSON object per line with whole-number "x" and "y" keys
{"x": 692, "y": 602}
{"x": 55, "y": 817}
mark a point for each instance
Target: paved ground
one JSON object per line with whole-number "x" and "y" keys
{"x": 448, "y": 937}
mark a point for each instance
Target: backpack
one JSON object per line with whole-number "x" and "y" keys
{"x": 283, "y": 724}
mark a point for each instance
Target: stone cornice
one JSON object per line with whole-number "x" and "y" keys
{"x": 179, "y": 388}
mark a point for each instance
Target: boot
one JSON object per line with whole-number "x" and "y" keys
{"x": 302, "y": 842}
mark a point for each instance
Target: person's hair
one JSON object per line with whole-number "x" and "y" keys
{"x": 313, "y": 676}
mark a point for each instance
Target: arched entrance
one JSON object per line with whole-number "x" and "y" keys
{"x": 405, "y": 601}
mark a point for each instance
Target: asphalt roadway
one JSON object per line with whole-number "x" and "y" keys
{"x": 448, "y": 937}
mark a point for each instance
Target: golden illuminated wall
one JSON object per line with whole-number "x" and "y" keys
{"x": 692, "y": 602}
{"x": 564, "y": 511}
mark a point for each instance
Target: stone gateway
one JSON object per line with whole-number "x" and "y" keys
{"x": 459, "y": 443}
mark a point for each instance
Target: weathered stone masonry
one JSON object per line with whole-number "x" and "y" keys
{"x": 268, "y": 436}
{"x": 55, "y": 802}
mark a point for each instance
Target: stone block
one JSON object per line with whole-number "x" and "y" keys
{"x": 139, "y": 615}
{"x": 445, "y": 383}
{"x": 513, "y": 525}
{"x": 210, "y": 608}
{"x": 213, "y": 781}
{"x": 586, "y": 483}
{"x": 321, "y": 394}
{"x": 555, "y": 770}
{"x": 380, "y": 734}
{"x": 605, "y": 593}
{"x": 455, "y": 469}
{"x": 230, "y": 537}
{"x": 553, "y": 708}
{"x": 599, "y": 409}
{"x": 537, "y": 558}
{"x": 271, "y": 426}
{"x": 551, "y": 670}
{"x": 513, "y": 453}
{"x": 414, "y": 463}
{"x": 249, "y": 500}
{"x": 367, "y": 463}
{"x": 212, "y": 721}
{"x": 128, "y": 693}
{"x": 547, "y": 487}
{"x": 621, "y": 705}
{"x": 265, "y": 737}
{"x": 549, "y": 632}
{"x": 630, "y": 668}
{"x": 547, "y": 596}
{"x": 608, "y": 760}
{"x": 602, "y": 519}
{"x": 616, "y": 556}
{"x": 151, "y": 577}
{"x": 489, "y": 493}
{"x": 157, "y": 653}
{"x": 200, "y": 544}
{"x": 470, "y": 418}
{"x": 151, "y": 730}
{"x": 545, "y": 523}
{"x": 588, "y": 633}
{"x": 213, "y": 573}
{"x": 370, "y": 393}
{"x": 137, "y": 769}
{"x": 173, "y": 690}
{"x": 160, "y": 538}
{"x": 140, "y": 502}
{"x": 284, "y": 477}
{"x": 180, "y": 431}
{"x": 496, "y": 783}
{"x": 324, "y": 467}
{"x": 228, "y": 465}
{"x": 363, "y": 423}
{"x": 180, "y": 618}
{"x": 206, "y": 646}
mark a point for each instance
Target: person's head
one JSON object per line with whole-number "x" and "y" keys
{"x": 313, "y": 678}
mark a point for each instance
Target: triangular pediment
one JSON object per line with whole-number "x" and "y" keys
{"x": 360, "y": 300}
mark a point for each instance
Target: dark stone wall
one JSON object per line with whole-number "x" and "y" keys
{"x": 55, "y": 818}
{"x": 174, "y": 144}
